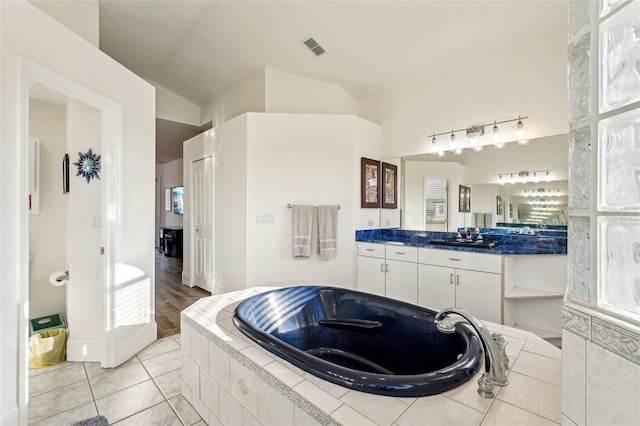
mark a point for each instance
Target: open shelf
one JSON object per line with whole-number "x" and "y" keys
{"x": 531, "y": 293}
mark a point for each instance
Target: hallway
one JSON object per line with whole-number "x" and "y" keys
{"x": 171, "y": 295}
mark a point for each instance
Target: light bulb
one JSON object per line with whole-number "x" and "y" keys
{"x": 454, "y": 146}
{"x": 434, "y": 145}
{"x": 521, "y": 133}
{"x": 496, "y": 136}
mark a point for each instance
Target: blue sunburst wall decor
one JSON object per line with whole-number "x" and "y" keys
{"x": 88, "y": 165}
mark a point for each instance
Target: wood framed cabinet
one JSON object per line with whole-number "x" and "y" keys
{"x": 388, "y": 270}
{"x": 523, "y": 291}
{"x": 469, "y": 281}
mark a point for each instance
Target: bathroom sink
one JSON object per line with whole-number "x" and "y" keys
{"x": 462, "y": 243}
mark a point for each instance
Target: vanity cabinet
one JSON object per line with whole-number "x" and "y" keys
{"x": 388, "y": 270}
{"x": 469, "y": 281}
{"x": 523, "y": 291}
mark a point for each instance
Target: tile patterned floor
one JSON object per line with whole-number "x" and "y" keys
{"x": 145, "y": 390}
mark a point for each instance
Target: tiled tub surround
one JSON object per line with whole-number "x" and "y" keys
{"x": 506, "y": 244}
{"x": 231, "y": 380}
{"x": 601, "y": 361}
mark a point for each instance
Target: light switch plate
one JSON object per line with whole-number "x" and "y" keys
{"x": 264, "y": 219}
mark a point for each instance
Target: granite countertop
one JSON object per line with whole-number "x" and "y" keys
{"x": 506, "y": 244}
{"x": 532, "y": 396}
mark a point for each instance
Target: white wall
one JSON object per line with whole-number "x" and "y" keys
{"x": 301, "y": 159}
{"x": 246, "y": 96}
{"x": 228, "y": 145}
{"x": 172, "y": 107}
{"x": 80, "y": 16}
{"x": 530, "y": 80}
{"x": 27, "y": 32}
{"x": 170, "y": 174}
{"x": 292, "y": 93}
{"x": 366, "y": 143}
{"x": 48, "y": 229}
{"x": 84, "y": 238}
{"x": 414, "y": 174}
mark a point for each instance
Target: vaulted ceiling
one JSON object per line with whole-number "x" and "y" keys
{"x": 198, "y": 49}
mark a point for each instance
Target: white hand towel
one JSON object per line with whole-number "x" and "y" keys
{"x": 327, "y": 231}
{"x": 302, "y": 220}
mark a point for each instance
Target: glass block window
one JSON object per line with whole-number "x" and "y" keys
{"x": 607, "y": 6}
{"x": 619, "y": 265}
{"x": 578, "y": 17}
{"x": 579, "y": 79}
{"x": 620, "y": 58}
{"x": 619, "y": 162}
{"x": 580, "y": 169}
{"x": 578, "y": 250}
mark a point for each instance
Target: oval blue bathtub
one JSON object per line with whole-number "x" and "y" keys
{"x": 361, "y": 341}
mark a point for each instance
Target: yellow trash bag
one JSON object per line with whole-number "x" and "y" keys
{"x": 47, "y": 348}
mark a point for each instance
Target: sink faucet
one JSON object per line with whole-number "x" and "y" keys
{"x": 495, "y": 359}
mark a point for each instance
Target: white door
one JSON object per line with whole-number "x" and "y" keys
{"x": 479, "y": 294}
{"x": 371, "y": 275}
{"x": 402, "y": 281}
{"x": 436, "y": 287}
{"x": 202, "y": 223}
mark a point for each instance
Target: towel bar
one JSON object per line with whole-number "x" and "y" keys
{"x": 315, "y": 207}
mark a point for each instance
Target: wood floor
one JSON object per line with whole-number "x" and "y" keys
{"x": 171, "y": 295}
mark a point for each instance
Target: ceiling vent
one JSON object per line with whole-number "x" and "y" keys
{"x": 314, "y": 46}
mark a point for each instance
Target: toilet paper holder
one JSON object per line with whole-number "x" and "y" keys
{"x": 59, "y": 278}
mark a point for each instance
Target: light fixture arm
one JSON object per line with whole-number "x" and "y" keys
{"x": 494, "y": 123}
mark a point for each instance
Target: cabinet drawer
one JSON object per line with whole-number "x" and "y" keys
{"x": 461, "y": 260}
{"x": 371, "y": 250}
{"x": 405, "y": 253}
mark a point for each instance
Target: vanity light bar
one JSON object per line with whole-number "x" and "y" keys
{"x": 473, "y": 134}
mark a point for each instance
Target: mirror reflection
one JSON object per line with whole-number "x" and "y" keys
{"x": 518, "y": 184}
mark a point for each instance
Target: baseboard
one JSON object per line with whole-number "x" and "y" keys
{"x": 10, "y": 417}
{"x": 84, "y": 350}
{"x": 185, "y": 278}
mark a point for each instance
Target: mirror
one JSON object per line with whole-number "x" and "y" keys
{"x": 536, "y": 195}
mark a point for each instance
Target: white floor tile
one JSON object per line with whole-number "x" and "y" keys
{"x": 55, "y": 379}
{"x": 158, "y": 347}
{"x": 68, "y": 417}
{"x": 170, "y": 384}
{"x": 164, "y": 363}
{"x": 55, "y": 402}
{"x": 160, "y": 414}
{"x": 112, "y": 380}
{"x": 37, "y": 371}
{"x": 184, "y": 410}
{"x": 129, "y": 401}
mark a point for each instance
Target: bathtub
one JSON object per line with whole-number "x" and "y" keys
{"x": 360, "y": 341}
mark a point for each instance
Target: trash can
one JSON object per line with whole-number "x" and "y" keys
{"x": 48, "y": 341}
{"x": 47, "y": 348}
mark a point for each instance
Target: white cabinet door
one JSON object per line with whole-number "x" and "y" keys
{"x": 371, "y": 275}
{"x": 479, "y": 294}
{"x": 436, "y": 287}
{"x": 402, "y": 280}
